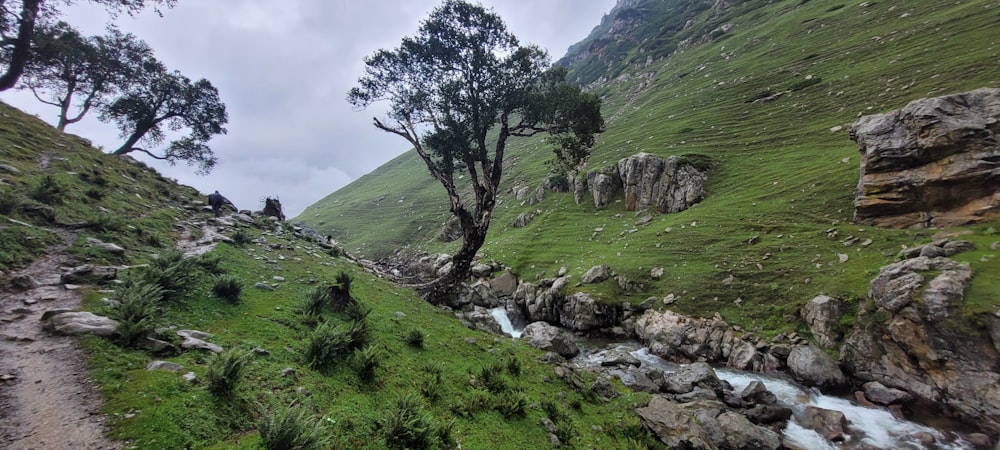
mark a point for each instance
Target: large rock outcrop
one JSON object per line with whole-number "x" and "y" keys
{"x": 648, "y": 181}
{"x": 684, "y": 339}
{"x": 918, "y": 341}
{"x": 932, "y": 163}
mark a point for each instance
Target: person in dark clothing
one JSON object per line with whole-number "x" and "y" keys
{"x": 216, "y": 200}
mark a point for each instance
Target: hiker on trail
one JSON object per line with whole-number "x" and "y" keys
{"x": 216, "y": 200}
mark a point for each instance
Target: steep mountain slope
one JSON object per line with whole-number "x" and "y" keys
{"x": 765, "y": 90}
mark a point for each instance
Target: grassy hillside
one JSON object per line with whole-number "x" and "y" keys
{"x": 786, "y": 168}
{"x": 417, "y": 378}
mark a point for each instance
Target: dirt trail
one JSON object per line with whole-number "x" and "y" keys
{"x": 47, "y": 400}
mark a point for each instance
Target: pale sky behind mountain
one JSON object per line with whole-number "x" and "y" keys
{"x": 283, "y": 69}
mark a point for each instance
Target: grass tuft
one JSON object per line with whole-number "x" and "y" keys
{"x": 225, "y": 371}
{"x": 291, "y": 427}
{"x": 228, "y": 288}
{"x": 408, "y": 425}
{"x": 137, "y": 310}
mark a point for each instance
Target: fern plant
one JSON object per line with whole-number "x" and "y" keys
{"x": 291, "y": 427}
{"x": 225, "y": 370}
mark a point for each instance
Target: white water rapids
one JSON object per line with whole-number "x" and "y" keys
{"x": 872, "y": 427}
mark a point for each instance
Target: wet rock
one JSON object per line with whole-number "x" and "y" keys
{"x": 72, "y": 323}
{"x": 814, "y": 367}
{"x": 740, "y": 433}
{"x": 768, "y": 414}
{"x": 685, "y": 379}
{"x": 757, "y": 393}
{"x": 547, "y": 337}
{"x": 832, "y": 425}
{"x": 879, "y": 393}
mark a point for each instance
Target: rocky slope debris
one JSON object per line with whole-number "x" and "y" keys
{"x": 932, "y": 163}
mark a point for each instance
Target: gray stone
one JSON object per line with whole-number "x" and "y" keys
{"x": 757, "y": 393}
{"x": 24, "y": 283}
{"x": 656, "y": 273}
{"x": 72, "y": 323}
{"x": 263, "y": 286}
{"x": 596, "y": 274}
{"x": 195, "y": 340}
{"x": 740, "y": 433}
{"x": 689, "y": 377}
{"x": 504, "y": 285}
{"x": 675, "y": 425}
{"x": 768, "y": 414}
{"x": 822, "y": 314}
{"x": 88, "y": 274}
{"x": 522, "y": 220}
{"x": 878, "y": 393}
{"x": 832, "y": 425}
{"x": 814, "y": 367}
{"x": 7, "y": 168}
{"x": 190, "y": 377}
{"x": 164, "y": 365}
{"x": 287, "y": 372}
{"x": 547, "y": 337}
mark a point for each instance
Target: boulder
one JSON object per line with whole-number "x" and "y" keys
{"x": 481, "y": 319}
{"x": 522, "y": 220}
{"x": 581, "y": 312}
{"x": 768, "y": 414}
{"x": 604, "y": 185}
{"x": 72, "y": 323}
{"x": 932, "y": 163}
{"x": 822, "y": 314}
{"x": 814, "y": 367}
{"x": 451, "y": 230}
{"x": 550, "y": 338}
{"x": 757, "y": 393}
{"x": 878, "y": 393}
{"x": 740, "y": 433}
{"x": 596, "y": 274}
{"x": 682, "y": 339}
{"x": 666, "y": 185}
{"x": 832, "y": 425}
{"x": 504, "y": 285}
{"x": 675, "y": 425}
{"x": 689, "y": 377}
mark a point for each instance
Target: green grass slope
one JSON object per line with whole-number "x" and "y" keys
{"x": 466, "y": 389}
{"x": 786, "y": 169}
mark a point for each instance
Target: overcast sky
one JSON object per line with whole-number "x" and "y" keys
{"x": 283, "y": 69}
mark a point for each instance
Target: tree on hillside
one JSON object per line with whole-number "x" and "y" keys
{"x": 155, "y": 102}
{"x": 457, "y": 91}
{"x": 80, "y": 71}
{"x": 18, "y": 20}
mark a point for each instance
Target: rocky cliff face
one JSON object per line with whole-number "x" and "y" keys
{"x": 647, "y": 181}
{"x": 916, "y": 340}
{"x": 932, "y": 163}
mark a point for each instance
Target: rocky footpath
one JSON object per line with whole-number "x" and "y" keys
{"x": 932, "y": 163}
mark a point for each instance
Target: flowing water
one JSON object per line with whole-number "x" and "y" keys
{"x": 500, "y": 314}
{"x": 871, "y": 427}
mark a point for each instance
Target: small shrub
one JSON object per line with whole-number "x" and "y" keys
{"x": 105, "y": 223}
{"x": 313, "y": 303}
{"x": 357, "y": 311}
{"x": 48, "y": 191}
{"x": 513, "y": 366}
{"x": 472, "y": 402}
{"x": 415, "y": 338}
{"x": 224, "y": 372}
{"x": 241, "y": 237}
{"x": 94, "y": 193}
{"x": 367, "y": 361}
{"x": 511, "y": 404}
{"x": 359, "y": 334}
{"x": 171, "y": 271}
{"x": 340, "y": 291}
{"x": 409, "y": 425}
{"x": 292, "y": 427}
{"x": 491, "y": 377}
{"x": 326, "y": 344}
{"x": 228, "y": 288}
{"x": 565, "y": 431}
{"x": 211, "y": 263}
{"x": 137, "y": 310}
{"x": 9, "y": 201}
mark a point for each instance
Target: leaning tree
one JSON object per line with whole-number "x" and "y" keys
{"x": 156, "y": 102}
{"x": 458, "y": 91}
{"x": 18, "y": 20}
